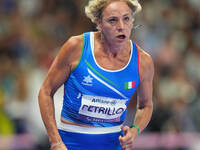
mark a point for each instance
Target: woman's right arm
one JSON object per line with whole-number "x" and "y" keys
{"x": 58, "y": 73}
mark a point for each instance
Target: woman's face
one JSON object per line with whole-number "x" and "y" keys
{"x": 117, "y": 22}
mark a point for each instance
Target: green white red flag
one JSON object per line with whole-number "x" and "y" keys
{"x": 129, "y": 85}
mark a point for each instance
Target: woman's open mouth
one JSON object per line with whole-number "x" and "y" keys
{"x": 121, "y": 37}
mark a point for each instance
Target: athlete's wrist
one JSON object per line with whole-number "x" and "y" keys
{"x": 135, "y": 128}
{"x": 53, "y": 146}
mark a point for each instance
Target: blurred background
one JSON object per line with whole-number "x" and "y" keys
{"x": 31, "y": 34}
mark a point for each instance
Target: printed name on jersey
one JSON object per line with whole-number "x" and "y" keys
{"x": 101, "y": 109}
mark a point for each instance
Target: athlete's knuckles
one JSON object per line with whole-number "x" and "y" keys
{"x": 127, "y": 137}
{"x": 123, "y": 141}
{"x": 125, "y": 128}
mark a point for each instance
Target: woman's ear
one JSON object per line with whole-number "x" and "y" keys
{"x": 99, "y": 24}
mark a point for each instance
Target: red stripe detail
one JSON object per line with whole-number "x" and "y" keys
{"x": 133, "y": 84}
{"x": 138, "y": 61}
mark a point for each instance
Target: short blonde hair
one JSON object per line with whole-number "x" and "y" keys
{"x": 95, "y": 7}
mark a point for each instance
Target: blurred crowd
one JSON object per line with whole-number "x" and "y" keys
{"x": 32, "y": 31}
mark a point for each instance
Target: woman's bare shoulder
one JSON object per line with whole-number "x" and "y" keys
{"x": 72, "y": 48}
{"x": 146, "y": 63}
{"x": 73, "y": 43}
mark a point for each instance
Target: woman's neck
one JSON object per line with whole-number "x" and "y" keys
{"x": 113, "y": 49}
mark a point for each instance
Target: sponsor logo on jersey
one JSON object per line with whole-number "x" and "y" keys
{"x": 87, "y": 80}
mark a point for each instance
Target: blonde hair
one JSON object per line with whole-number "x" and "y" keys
{"x": 95, "y": 7}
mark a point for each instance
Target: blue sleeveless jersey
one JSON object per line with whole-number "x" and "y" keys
{"x": 96, "y": 96}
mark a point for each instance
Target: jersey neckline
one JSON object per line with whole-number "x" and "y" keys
{"x": 92, "y": 49}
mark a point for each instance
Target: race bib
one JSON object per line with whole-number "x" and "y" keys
{"x": 101, "y": 109}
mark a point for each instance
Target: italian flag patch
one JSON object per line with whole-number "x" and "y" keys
{"x": 129, "y": 85}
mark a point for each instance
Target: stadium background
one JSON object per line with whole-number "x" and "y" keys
{"x": 31, "y": 33}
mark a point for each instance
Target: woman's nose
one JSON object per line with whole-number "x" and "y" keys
{"x": 120, "y": 25}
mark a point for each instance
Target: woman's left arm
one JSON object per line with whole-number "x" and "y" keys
{"x": 145, "y": 90}
{"x": 144, "y": 102}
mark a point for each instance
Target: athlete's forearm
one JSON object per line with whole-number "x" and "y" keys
{"x": 143, "y": 116}
{"x": 48, "y": 116}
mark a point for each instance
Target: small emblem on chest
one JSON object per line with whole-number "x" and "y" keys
{"x": 87, "y": 80}
{"x": 129, "y": 85}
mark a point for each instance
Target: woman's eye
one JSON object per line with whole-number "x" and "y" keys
{"x": 126, "y": 19}
{"x": 112, "y": 20}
